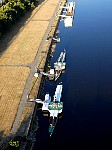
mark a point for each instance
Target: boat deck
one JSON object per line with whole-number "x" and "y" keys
{"x": 70, "y": 13}
{"x": 55, "y": 106}
{"x": 70, "y": 9}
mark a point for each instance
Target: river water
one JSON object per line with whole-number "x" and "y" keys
{"x": 86, "y": 122}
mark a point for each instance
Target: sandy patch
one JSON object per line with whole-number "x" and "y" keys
{"x": 12, "y": 81}
{"x": 47, "y": 11}
{"x": 23, "y": 50}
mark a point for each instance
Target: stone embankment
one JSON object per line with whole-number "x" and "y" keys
{"x": 28, "y": 49}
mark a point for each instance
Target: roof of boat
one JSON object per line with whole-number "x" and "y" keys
{"x": 51, "y": 71}
{"x": 58, "y": 92}
{"x": 55, "y": 106}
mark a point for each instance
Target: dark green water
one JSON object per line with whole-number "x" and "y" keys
{"x": 87, "y": 83}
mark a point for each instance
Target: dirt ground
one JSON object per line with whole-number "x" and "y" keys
{"x": 12, "y": 83}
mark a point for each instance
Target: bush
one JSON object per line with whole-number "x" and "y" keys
{"x": 12, "y": 11}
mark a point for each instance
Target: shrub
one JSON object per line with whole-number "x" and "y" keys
{"x": 12, "y": 11}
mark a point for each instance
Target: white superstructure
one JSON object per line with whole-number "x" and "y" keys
{"x": 46, "y": 102}
{"x": 58, "y": 93}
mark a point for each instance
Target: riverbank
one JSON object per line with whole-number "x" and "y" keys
{"x": 28, "y": 49}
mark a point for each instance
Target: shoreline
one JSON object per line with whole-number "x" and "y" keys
{"x": 28, "y": 112}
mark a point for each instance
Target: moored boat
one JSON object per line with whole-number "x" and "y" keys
{"x": 55, "y": 108}
{"x": 60, "y": 65}
{"x": 51, "y": 108}
{"x": 68, "y": 21}
{"x": 68, "y": 13}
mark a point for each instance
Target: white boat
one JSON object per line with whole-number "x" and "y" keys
{"x": 46, "y": 102}
{"x": 60, "y": 65}
{"x": 55, "y": 108}
{"x": 69, "y": 14}
{"x": 68, "y": 21}
{"x": 52, "y": 108}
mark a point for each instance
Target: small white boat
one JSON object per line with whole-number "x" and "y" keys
{"x": 55, "y": 39}
{"x": 68, "y": 21}
{"x": 55, "y": 108}
{"x": 69, "y": 14}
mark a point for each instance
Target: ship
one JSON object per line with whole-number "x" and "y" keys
{"x": 69, "y": 13}
{"x": 55, "y": 108}
{"x": 51, "y": 108}
{"x": 60, "y": 65}
{"x": 68, "y": 21}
